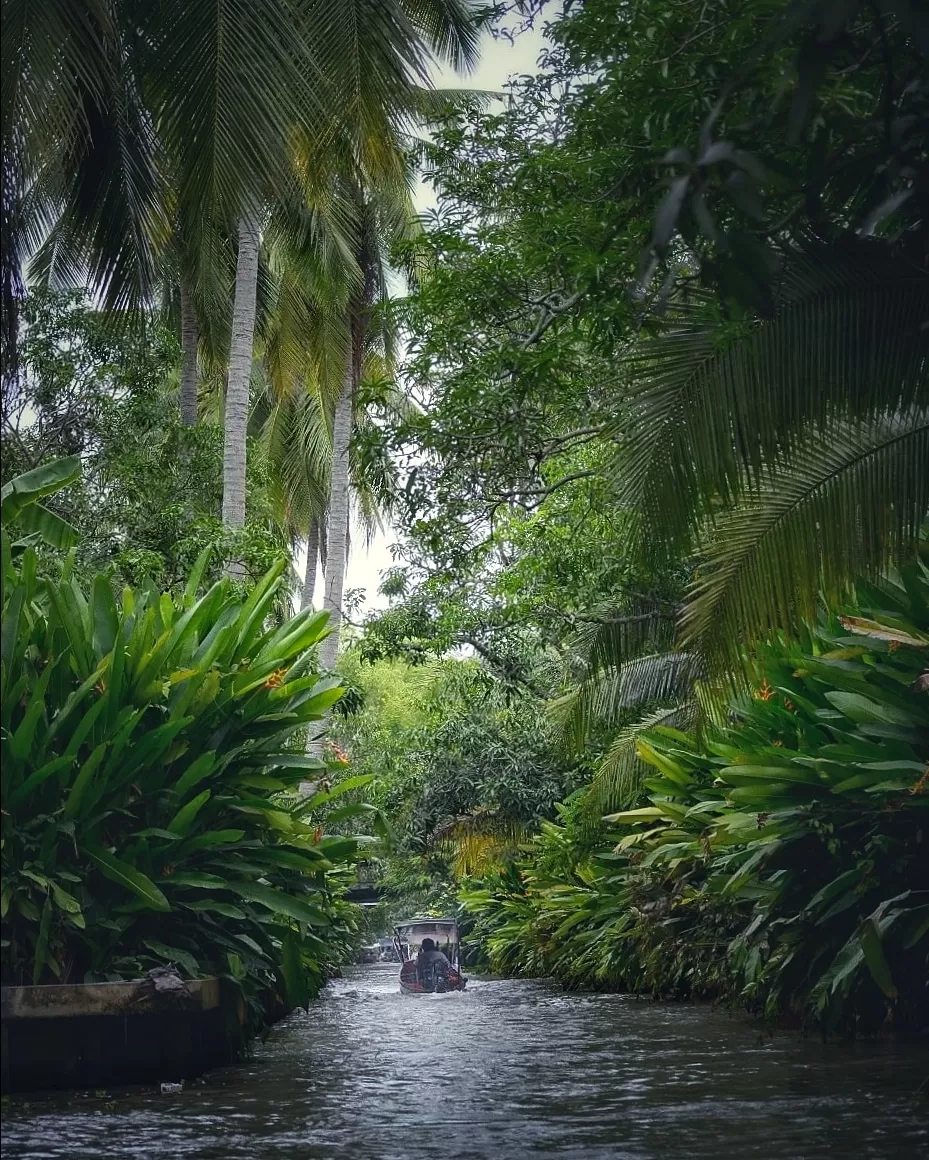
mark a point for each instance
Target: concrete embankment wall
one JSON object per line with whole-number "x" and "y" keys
{"x": 102, "y": 1034}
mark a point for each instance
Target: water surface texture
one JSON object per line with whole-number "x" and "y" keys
{"x": 507, "y": 1070}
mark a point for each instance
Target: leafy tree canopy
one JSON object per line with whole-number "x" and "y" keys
{"x": 149, "y": 494}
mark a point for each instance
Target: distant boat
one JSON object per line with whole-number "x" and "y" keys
{"x": 426, "y": 978}
{"x": 381, "y": 951}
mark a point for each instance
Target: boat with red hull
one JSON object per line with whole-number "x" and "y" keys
{"x": 419, "y": 975}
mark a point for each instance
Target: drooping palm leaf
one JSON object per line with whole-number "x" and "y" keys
{"x": 79, "y": 151}
{"x": 620, "y": 772}
{"x": 788, "y": 453}
{"x": 622, "y": 633}
{"x": 604, "y": 699}
{"x": 849, "y": 501}
{"x": 712, "y": 407}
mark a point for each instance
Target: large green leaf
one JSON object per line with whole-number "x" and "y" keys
{"x": 82, "y": 782}
{"x": 212, "y": 906}
{"x": 128, "y": 877}
{"x": 106, "y": 620}
{"x": 43, "y": 525}
{"x": 38, "y": 776}
{"x": 174, "y": 955}
{"x": 292, "y": 969}
{"x": 323, "y": 797}
{"x": 198, "y": 879}
{"x": 27, "y": 489}
{"x": 871, "y": 945}
{"x": 863, "y": 709}
{"x": 185, "y": 817}
{"x": 280, "y": 903}
{"x": 41, "y": 946}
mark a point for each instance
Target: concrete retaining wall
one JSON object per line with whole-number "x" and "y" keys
{"x": 101, "y": 1034}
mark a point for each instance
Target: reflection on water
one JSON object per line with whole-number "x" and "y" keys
{"x": 507, "y": 1070}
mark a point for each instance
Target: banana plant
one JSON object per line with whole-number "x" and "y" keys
{"x": 20, "y": 505}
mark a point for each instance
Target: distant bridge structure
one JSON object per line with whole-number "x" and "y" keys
{"x": 365, "y": 894}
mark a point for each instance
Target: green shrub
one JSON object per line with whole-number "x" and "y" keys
{"x": 148, "y": 745}
{"x": 780, "y": 860}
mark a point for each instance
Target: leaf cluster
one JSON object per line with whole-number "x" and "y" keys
{"x": 148, "y": 747}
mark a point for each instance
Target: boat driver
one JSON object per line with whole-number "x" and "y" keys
{"x": 431, "y": 961}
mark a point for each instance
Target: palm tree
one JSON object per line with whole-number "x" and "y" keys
{"x": 339, "y": 494}
{"x": 190, "y": 343}
{"x": 788, "y": 454}
{"x": 113, "y": 115}
{"x": 235, "y": 424}
{"x": 293, "y": 421}
{"x": 367, "y": 65}
{"x": 315, "y": 554}
{"x": 380, "y": 62}
{"x": 626, "y": 677}
{"x": 119, "y": 123}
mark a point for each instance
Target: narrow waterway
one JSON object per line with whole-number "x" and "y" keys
{"x": 504, "y": 1071}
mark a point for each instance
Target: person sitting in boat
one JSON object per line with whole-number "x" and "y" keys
{"x": 431, "y": 965}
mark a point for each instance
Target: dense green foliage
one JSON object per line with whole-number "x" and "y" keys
{"x": 149, "y": 494}
{"x": 778, "y": 859}
{"x": 665, "y": 416}
{"x": 675, "y": 404}
{"x": 643, "y": 264}
{"x": 147, "y": 758}
{"x": 462, "y": 768}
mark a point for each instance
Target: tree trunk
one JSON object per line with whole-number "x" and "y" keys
{"x": 312, "y": 559}
{"x": 190, "y": 339}
{"x": 240, "y": 369}
{"x": 337, "y": 534}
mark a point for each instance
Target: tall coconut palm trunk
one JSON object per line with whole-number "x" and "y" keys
{"x": 312, "y": 559}
{"x": 190, "y": 340}
{"x": 337, "y": 532}
{"x": 240, "y": 369}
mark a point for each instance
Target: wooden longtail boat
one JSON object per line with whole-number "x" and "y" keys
{"x": 419, "y": 976}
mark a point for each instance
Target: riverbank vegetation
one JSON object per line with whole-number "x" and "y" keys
{"x": 149, "y": 815}
{"x": 668, "y": 484}
{"x": 645, "y": 401}
{"x": 776, "y": 856}
{"x": 197, "y": 210}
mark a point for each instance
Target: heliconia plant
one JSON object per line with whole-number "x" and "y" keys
{"x": 151, "y": 747}
{"x": 780, "y": 860}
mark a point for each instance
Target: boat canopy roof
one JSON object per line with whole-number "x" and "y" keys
{"x": 414, "y": 930}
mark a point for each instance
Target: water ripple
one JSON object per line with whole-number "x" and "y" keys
{"x": 507, "y": 1069}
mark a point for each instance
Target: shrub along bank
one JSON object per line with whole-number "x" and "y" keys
{"x": 779, "y": 860}
{"x": 148, "y": 746}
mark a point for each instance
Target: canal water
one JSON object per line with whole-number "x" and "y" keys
{"x": 509, "y": 1069}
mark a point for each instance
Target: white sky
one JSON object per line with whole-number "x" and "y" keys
{"x": 500, "y": 60}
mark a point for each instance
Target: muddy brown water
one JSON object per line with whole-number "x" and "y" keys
{"x": 509, "y": 1069}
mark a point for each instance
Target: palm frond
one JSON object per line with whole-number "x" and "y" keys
{"x": 848, "y": 502}
{"x": 604, "y": 699}
{"x": 623, "y": 633}
{"x": 54, "y": 58}
{"x": 712, "y": 408}
{"x": 90, "y": 159}
{"x": 296, "y": 443}
{"x": 436, "y": 105}
{"x": 451, "y": 28}
{"x": 620, "y": 772}
{"x": 227, "y": 140}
